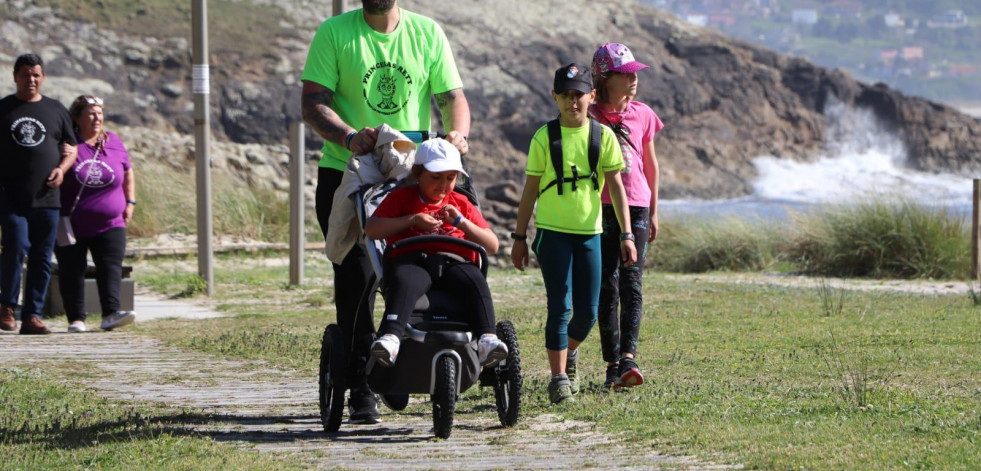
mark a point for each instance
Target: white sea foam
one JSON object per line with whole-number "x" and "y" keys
{"x": 862, "y": 161}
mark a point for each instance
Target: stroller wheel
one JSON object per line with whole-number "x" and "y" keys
{"x": 508, "y": 384}
{"x": 444, "y": 396}
{"x": 395, "y": 401}
{"x": 332, "y": 378}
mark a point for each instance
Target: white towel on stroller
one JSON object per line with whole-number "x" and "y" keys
{"x": 391, "y": 159}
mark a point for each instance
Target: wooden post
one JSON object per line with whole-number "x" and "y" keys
{"x": 976, "y": 231}
{"x": 297, "y": 205}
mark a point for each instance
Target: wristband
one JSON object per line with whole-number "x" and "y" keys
{"x": 626, "y": 236}
{"x": 347, "y": 139}
{"x": 516, "y": 236}
{"x": 457, "y": 220}
{"x": 132, "y": 202}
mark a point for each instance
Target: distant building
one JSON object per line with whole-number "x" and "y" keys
{"x": 961, "y": 70}
{"x": 807, "y": 16}
{"x": 951, "y": 19}
{"x": 893, "y": 20}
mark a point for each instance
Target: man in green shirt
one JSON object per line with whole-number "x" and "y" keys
{"x": 377, "y": 65}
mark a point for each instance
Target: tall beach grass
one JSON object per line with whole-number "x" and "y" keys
{"x": 876, "y": 237}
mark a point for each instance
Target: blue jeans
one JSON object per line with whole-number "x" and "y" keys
{"x": 29, "y": 235}
{"x": 571, "y": 269}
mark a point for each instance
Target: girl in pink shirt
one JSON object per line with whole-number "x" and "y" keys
{"x": 635, "y": 124}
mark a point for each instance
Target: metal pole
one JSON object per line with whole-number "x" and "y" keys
{"x": 338, "y": 7}
{"x": 976, "y": 232}
{"x": 297, "y": 206}
{"x": 201, "y": 77}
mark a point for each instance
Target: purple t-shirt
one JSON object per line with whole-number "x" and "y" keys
{"x": 103, "y": 201}
{"x": 639, "y": 122}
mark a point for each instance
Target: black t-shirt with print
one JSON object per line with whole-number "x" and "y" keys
{"x": 31, "y": 133}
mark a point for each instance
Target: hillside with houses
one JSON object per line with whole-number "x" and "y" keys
{"x": 925, "y": 48}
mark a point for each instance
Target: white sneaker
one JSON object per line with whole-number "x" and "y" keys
{"x": 491, "y": 350}
{"x": 77, "y": 326}
{"x": 117, "y": 319}
{"x": 386, "y": 349}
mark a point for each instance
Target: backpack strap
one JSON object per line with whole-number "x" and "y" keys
{"x": 555, "y": 151}
{"x": 595, "y": 139}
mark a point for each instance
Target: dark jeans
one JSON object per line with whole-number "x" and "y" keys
{"x": 107, "y": 250}
{"x": 351, "y": 278}
{"x": 570, "y": 266}
{"x": 406, "y": 282}
{"x": 29, "y": 235}
{"x": 620, "y": 289}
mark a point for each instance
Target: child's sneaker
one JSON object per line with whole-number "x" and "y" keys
{"x": 491, "y": 350}
{"x": 77, "y": 326}
{"x": 629, "y": 373}
{"x": 117, "y": 319}
{"x": 559, "y": 390}
{"x": 571, "y": 360}
{"x": 612, "y": 375}
{"x": 386, "y": 349}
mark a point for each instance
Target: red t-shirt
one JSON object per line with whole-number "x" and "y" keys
{"x": 406, "y": 200}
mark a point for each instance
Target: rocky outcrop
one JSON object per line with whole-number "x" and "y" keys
{"x": 724, "y": 101}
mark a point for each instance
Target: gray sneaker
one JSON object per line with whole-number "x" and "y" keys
{"x": 559, "y": 391}
{"x": 117, "y": 319}
{"x": 571, "y": 359}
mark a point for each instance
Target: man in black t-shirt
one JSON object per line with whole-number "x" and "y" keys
{"x": 37, "y": 147}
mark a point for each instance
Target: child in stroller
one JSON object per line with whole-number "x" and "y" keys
{"x": 432, "y": 207}
{"x": 437, "y": 352}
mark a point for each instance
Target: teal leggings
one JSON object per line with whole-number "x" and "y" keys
{"x": 571, "y": 269}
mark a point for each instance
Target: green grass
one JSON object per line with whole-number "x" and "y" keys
{"x": 876, "y": 238}
{"x": 47, "y": 424}
{"x": 768, "y": 377}
{"x": 168, "y": 206}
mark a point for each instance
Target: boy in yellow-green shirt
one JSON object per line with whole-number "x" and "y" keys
{"x": 569, "y": 219}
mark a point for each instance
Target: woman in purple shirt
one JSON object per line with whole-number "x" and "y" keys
{"x": 99, "y": 193}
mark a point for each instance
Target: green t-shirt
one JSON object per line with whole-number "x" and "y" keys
{"x": 380, "y": 78}
{"x": 574, "y": 212}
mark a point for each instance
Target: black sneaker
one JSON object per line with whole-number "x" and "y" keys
{"x": 612, "y": 375}
{"x": 629, "y": 373}
{"x": 363, "y": 407}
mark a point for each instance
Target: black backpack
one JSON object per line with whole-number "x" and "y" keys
{"x": 555, "y": 150}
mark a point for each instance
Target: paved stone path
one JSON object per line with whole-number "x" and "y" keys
{"x": 275, "y": 411}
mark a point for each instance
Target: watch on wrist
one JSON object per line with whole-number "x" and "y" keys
{"x": 626, "y": 236}
{"x": 516, "y": 236}
{"x": 132, "y": 202}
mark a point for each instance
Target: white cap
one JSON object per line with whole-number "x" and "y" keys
{"x": 438, "y": 155}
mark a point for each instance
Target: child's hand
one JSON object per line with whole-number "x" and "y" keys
{"x": 519, "y": 254}
{"x": 424, "y": 222}
{"x": 450, "y": 212}
{"x": 628, "y": 252}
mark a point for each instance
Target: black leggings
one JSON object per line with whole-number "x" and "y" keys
{"x": 406, "y": 282}
{"x": 620, "y": 286}
{"x": 108, "y": 250}
{"x": 352, "y": 276}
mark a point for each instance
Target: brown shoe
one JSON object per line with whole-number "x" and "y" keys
{"x": 7, "y": 321}
{"x": 33, "y": 326}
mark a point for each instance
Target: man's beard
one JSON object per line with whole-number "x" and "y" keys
{"x": 377, "y": 7}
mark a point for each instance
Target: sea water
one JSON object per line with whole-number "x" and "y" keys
{"x": 862, "y": 162}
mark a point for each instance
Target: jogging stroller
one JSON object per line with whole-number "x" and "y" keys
{"x": 438, "y": 354}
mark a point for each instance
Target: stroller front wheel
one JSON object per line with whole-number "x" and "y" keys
{"x": 444, "y": 396}
{"x": 332, "y": 378}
